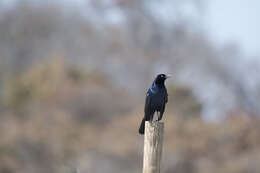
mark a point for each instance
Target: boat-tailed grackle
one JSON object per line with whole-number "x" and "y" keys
{"x": 156, "y": 99}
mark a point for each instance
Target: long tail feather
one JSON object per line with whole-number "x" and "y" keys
{"x": 141, "y": 129}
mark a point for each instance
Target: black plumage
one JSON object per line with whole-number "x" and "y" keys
{"x": 156, "y": 99}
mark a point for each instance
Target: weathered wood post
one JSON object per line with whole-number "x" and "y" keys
{"x": 153, "y": 141}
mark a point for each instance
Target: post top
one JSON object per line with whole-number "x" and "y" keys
{"x": 154, "y": 123}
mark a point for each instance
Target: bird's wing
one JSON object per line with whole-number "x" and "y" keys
{"x": 147, "y": 107}
{"x": 166, "y": 97}
{"x": 163, "y": 105}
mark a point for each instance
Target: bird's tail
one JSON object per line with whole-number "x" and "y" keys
{"x": 141, "y": 128}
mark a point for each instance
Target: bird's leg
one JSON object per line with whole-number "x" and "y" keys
{"x": 158, "y": 114}
{"x": 151, "y": 118}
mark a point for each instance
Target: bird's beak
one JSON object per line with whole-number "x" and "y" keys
{"x": 168, "y": 76}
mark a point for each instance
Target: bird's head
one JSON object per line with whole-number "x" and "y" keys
{"x": 160, "y": 78}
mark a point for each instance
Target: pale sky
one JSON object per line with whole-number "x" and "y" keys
{"x": 225, "y": 20}
{"x": 235, "y": 20}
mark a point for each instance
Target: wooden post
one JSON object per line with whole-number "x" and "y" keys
{"x": 153, "y": 140}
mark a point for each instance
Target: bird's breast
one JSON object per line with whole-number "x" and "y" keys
{"x": 158, "y": 100}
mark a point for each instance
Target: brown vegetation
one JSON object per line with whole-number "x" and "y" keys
{"x": 73, "y": 82}
{"x": 92, "y": 126}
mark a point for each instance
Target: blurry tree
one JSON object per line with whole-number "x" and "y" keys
{"x": 183, "y": 102}
{"x": 126, "y": 39}
{"x": 72, "y": 69}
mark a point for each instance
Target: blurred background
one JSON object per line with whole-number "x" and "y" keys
{"x": 74, "y": 75}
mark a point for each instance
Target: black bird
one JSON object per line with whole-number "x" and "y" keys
{"x": 156, "y": 99}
